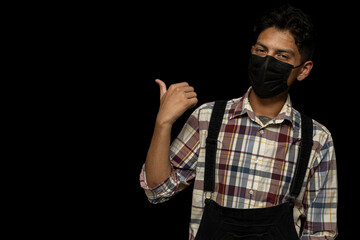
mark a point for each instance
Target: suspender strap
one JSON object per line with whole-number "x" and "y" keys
{"x": 304, "y": 155}
{"x": 211, "y": 145}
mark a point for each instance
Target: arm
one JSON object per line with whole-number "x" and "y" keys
{"x": 321, "y": 197}
{"x": 173, "y": 103}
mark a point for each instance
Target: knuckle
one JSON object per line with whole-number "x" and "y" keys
{"x": 185, "y": 102}
{"x": 171, "y": 87}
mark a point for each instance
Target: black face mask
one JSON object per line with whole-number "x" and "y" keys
{"x": 268, "y": 76}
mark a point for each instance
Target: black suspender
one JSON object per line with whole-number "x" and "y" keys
{"x": 211, "y": 144}
{"x": 211, "y": 148}
{"x": 304, "y": 155}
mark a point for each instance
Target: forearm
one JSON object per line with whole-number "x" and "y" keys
{"x": 173, "y": 103}
{"x": 157, "y": 165}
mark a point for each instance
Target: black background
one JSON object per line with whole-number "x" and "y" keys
{"x": 207, "y": 45}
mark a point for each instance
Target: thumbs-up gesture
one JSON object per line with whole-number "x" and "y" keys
{"x": 174, "y": 101}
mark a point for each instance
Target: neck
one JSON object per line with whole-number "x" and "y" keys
{"x": 269, "y": 107}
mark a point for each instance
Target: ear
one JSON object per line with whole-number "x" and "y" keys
{"x": 305, "y": 70}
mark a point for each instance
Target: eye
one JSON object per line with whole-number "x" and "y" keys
{"x": 283, "y": 57}
{"x": 260, "y": 51}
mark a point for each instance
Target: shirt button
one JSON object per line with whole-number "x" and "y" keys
{"x": 251, "y": 192}
{"x": 261, "y": 132}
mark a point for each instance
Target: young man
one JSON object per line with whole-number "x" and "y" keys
{"x": 258, "y": 148}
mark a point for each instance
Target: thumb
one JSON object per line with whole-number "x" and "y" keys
{"x": 162, "y": 86}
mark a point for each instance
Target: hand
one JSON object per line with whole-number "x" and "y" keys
{"x": 174, "y": 101}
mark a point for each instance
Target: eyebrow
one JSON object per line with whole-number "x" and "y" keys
{"x": 289, "y": 51}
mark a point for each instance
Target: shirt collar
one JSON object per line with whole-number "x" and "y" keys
{"x": 243, "y": 106}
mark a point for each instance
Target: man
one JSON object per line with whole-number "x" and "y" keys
{"x": 257, "y": 147}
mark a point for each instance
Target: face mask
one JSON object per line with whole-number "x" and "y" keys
{"x": 268, "y": 76}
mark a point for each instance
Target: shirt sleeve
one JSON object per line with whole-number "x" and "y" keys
{"x": 321, "y": 196}
{"x": 184, "y": 152}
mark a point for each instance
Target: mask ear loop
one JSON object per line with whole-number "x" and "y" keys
{"x": 299, "y": 77}
{"x": 299, "y": 65}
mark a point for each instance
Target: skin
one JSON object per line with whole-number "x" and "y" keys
{"x": 173, "y": 103}
{"x": 178, "y": 98}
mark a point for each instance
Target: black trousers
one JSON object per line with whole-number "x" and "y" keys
{"x": 272, "y": 223}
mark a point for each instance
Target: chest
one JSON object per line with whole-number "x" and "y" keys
{"x": 254, "y": 161}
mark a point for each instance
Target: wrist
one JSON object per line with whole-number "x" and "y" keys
{"x": 163, "y": 124}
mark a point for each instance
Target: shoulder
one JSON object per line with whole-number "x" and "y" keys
{"x": 321, "y": 134}
{"x": 323, "y": 147}
{"x": 323, "y": 140}
{"x": 323, "y": 144}
{"x": 319, "y": 130}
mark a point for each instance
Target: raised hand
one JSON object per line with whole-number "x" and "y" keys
{"x": 174, "y": 101}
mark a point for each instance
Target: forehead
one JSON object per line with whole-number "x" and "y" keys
{"x": 274, "y": 39}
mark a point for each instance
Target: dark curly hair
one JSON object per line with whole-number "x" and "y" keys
{"x": 294, "y": 20}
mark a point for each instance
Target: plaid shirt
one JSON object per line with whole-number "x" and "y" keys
{"x": 255, "y": 165}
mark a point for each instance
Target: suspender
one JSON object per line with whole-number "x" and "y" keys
{"x": 211, "y": 148}
{"x": 211, "y": 144}
{"x": 304, "y": 155}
